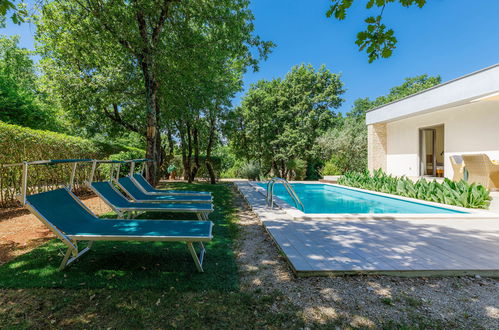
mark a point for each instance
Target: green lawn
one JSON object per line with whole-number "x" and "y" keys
{"x": 137, "y": 265}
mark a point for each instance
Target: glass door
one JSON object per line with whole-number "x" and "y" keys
{"x": 427, "y": 156}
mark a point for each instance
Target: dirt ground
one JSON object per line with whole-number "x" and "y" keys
{"x": 21, "y": 232}
{"x": 364, "y": 301}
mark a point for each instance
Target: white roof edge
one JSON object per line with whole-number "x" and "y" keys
{"x": 448, "y": 94}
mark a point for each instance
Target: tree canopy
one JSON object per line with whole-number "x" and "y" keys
{"x": 17, "y": 10}
{"x": 410, "y": 86}
{"x": 20, "y": 101}
{"x": 156, "y": 68}
{"x": 279, "y": 120}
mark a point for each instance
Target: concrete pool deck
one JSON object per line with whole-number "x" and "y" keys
{"x": 383, "y": 245}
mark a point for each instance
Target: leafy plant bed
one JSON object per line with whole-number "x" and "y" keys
{"x": 460, "y": 193}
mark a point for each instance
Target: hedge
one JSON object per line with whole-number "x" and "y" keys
{"x": 18, "y": 144}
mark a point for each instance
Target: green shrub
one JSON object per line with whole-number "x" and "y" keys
{"x": 230, "y": 173}
{"x": 250, "y": 170}
{"x": 460, "y": 193}
{"x": 298, "y": 168}
{"x": 122, "y": 155}
{"x": 331, "y": 168}
{"x": 18, "y": 144}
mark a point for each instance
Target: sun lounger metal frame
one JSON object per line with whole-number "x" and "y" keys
{"x": 121, "y": 211}
{"x": 178, "y": 198}
{"x": 153, "y": 191}
{"x": 71, "y": 241}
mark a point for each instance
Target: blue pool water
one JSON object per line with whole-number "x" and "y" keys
{"x": 322, "y": 198}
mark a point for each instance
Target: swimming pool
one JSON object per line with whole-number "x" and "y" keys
{"x": 324, "y": 198}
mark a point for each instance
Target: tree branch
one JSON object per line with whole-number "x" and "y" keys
{"x": 116, "y": 117}
{"x": 161, "y": 21}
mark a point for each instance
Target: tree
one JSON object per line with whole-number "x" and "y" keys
{"x": 409, "y": 87}
{"x": 377, "y": 40}
{"x": 20, "y": 102}
{"x": 279, "y": 120}
{"x": 344, "y": 147}
{"x": 132, "y": 62}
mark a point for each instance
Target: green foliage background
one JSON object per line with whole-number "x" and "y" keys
{"x": 24, "y": 144}
{"x": 21, "y": 103}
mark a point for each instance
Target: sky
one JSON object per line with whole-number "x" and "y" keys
{"x": 449, "y": 38}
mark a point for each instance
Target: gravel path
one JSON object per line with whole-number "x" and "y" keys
{"x": 362, "y": 301}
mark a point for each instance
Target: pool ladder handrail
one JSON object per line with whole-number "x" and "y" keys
{"x": 289, "y": 189}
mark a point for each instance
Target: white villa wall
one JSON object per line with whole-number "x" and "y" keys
{"x": 439, "y": 144}
{"x": 470, "y": 128}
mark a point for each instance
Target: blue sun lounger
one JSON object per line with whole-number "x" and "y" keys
{"x": 73, "y": 222}
{"x": 121, "y": 205}
{"x": 126, "y": 184}
{"x": 146, "y": 188}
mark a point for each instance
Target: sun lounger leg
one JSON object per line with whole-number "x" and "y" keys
{"x": 67, "y": 261}
{"x": 66, "y": 258}
{"x": 198, "y": 260}
{"x": 202, "y": 216}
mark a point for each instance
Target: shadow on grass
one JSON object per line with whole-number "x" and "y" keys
{"x": 136, "y": 265}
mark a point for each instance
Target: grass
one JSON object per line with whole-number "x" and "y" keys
{"x": 137, "y": 265}
{"x": 168, "y": 308}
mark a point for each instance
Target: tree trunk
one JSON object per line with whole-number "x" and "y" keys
{"x": 197, "y": 166}
{"x": 153, "y": 138}
{"x": 183, "y": 147}
{"x": 188, "y": 158}
{"x": 209, "y": 165}
{"x": 283, "y": 170}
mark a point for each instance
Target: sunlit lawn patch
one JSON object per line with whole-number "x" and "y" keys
{"x": 133, "y": 265}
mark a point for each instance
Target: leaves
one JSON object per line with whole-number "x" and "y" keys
{"x": 339, "y": 9}
{"x": 279, "y": 120}
{"x": 449, "y": 192}
{"x": 20, "y": 100}
{"x": 376, "y": 40}
{"x": 344, "y": 146}
{"x": 24, "y": 144}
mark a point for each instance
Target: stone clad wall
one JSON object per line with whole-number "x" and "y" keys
{"x": 376, "y": 150}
